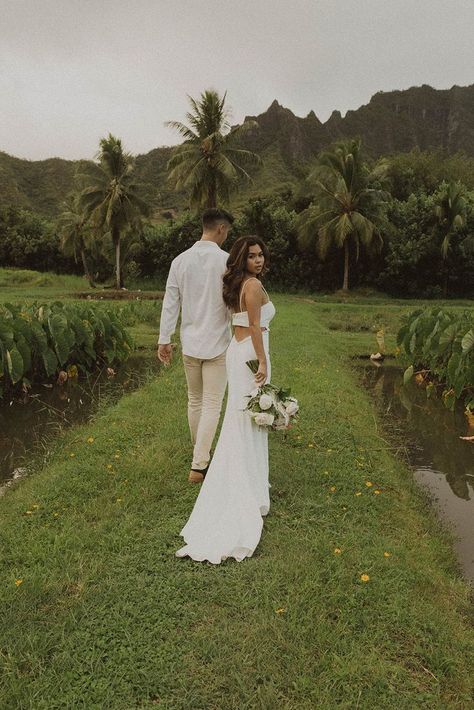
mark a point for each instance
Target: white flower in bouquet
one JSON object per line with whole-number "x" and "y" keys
{"x": 283, "y": 418}
{"x": 291, "y": 407}
{"x": 264, "y": 419}
{"x": 265, "y": 401}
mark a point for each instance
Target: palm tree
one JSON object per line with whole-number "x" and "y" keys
{"x": 209, "y": 163}
{"x": 110, "y": 199}
{"x": 450, "y": 212}
{"x": 450, "y": 215}
{"x": 348, "y": 206}
{"x": 74, "y": 233}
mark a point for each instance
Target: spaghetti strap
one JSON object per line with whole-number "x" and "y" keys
{"x": 242, "y": 290}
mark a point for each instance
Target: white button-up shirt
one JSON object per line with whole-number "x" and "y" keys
{"x": 195, "y": 284}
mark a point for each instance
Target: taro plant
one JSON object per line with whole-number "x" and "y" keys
{"x": 37, "y": 342}
{"x": 438, "y": 346}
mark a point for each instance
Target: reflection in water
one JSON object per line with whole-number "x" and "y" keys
{"x": 443, "y": 463}
{"x": 26, "y": 424}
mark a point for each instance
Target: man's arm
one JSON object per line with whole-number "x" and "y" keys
{"x": 169, "y": 315}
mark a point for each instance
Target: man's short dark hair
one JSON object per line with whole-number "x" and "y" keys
{"x": 212, "y": 216}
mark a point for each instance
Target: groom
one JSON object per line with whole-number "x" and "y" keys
{"x": 195, "y": 285}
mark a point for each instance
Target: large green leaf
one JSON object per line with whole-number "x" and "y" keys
{"x": 467, "y": 343}
{"x": 14, "y": 365}
{"x": 25, "y": 351}
{"x": 6, "y": 334}
{"x": 50, "y": 361}
{"x": 408, "y": 374}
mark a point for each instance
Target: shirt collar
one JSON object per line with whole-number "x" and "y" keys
{"x": 205, "y": 243}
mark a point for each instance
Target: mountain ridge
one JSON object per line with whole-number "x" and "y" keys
{"x": 391, "y": 122}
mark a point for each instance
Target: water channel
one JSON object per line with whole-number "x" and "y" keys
{"x": 29, "y": 422}
{"x": 430, "y": 434}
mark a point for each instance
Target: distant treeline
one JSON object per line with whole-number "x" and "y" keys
{"x": 410, "y": 263}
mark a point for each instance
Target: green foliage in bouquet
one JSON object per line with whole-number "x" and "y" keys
{"x": 38, "y": 341}
{"x": 271, "y": 406}
{"x": 439, "y": 345}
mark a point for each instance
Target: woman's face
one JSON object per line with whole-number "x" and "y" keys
{"x": 255, "y": 260}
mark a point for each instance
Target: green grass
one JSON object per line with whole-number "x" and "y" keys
{"x": 106, "y": 616}
{"x": 25, "y": 285}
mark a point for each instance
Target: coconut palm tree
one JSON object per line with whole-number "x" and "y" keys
{"x": 74, "y": 233}
{"x": 110, "y": 197}
{"x": 209, "y": 163}
{"x": 348, "y": 206}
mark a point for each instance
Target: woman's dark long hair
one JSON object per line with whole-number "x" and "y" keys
{"x": 237, "y": 268}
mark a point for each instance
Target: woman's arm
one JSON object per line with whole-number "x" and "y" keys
{"x": 253, "y": 302}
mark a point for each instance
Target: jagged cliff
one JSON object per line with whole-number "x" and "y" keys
{"x": 394, "y": 121}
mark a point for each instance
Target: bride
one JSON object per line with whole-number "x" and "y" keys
{"x": 226, "y": 520}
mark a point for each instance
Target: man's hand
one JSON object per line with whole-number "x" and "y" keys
{"x": 165, "y": 353}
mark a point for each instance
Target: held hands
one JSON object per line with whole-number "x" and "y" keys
{"x": 261, "y": 374}
{"x": 164, "y": 354}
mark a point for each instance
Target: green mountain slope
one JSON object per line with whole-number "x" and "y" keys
{"x": 392, "y": 122}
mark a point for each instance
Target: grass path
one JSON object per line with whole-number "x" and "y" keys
{"x": 107, "y": 617}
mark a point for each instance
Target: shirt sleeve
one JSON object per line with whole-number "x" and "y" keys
{"x": 170, "y": 309}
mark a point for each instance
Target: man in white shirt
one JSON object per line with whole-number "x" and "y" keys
{"x": 194, "y": 285}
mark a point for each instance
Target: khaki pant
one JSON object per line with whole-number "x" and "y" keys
{"x": 207, "y": 381}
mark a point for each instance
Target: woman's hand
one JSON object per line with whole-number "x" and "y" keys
{"x": 261, "y": 374}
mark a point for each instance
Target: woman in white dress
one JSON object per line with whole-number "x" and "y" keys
{"x": 226, "y": 520}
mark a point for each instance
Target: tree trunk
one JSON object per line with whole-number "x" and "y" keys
{"x": 345, "y": 285}
{"x": 116, "y": 241}
{"x": 446, "y": 282}
{"x": 212, "y": 194}
{"x": 87, "y": 274}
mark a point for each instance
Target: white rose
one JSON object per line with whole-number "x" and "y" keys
{"x": 265, "y": 401}
{"x": 291, "y": 408}
{"x": 264, "y": 419}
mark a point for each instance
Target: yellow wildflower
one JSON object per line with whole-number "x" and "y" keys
{"x": 368, "y": 484}
{"x": 109, "y": 465}
{"x": 357, "y": 493}
{"x": 72, "y": 454}
{"x": 332, "y": 489}
{"x": 337, "y": 550}
{"x": 28, "y": 512}
{"x": 377, "y": 491}
{"x": 117, "y": 456}
{"x": 90, "y": 440}
{"x": 35, "y": 505}
{"x": 364, "y": 577}
{"x": 18, "y": 582}
{"x": 387, "y": 554}
{"x": 280, "y": 611}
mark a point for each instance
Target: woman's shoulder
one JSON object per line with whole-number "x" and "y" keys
{"x": 253, "y": 284}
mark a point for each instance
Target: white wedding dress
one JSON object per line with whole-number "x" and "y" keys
{"x": 226, "y": 520}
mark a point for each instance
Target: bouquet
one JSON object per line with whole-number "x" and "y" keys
{"x": 270, "y": 406}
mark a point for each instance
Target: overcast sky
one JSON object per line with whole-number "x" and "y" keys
{"x": 73, "y": 70}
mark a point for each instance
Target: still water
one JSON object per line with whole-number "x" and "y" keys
{"x": 27, "y": 424}
{"x": 442, "y": 462}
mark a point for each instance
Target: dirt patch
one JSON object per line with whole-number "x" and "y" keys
{"x": 111, "y": 295}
